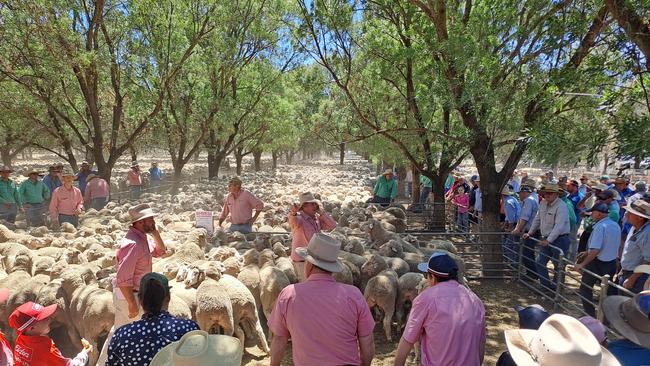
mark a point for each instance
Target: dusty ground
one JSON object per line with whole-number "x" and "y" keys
{"x": 499, "y": 297}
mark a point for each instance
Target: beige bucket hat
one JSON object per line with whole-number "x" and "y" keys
{"x": 198, "y": 348}
{"x": 550, "y": 187}
{"x": 141, "y": 212}
{"x": 31, "y": 171}
{"x": 640, "y": 208}
{"x": 388, "y": 171}
{"x": 322, "y": 251}
{"x": 560, "y": 341}
{"x": 67, "y": 173}
{"x": 626, "y": 315}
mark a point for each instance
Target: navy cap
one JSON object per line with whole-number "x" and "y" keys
{"x": 526, "y": 189}
{"x": 532, "y": 316}
{"x": 474, "y": 177}
{"x": 440, "y": 264}
{"x": 600, "y": 207}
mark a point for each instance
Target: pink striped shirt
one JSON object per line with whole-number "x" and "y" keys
{"x": 65, "y": 201}
{"x": 96, "y": 188}
{"x": 303, "y": 227}
{"x": 134, "y": 178}
{"x": 134, "y": 258}
{"x": 240, "y": 208}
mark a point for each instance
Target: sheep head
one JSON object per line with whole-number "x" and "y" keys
{"x": 375, "y": 264}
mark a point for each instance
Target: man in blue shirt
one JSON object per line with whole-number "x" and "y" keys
{"x": 82, "y": 176}
{"x": 583, "y": 187}
{"x": 630, "y": 317}
{"x": 636, "y": 250}
{"x": 574, "y": 196}
{"x": 512, "y": 209}
{"x": 53, "y": 180}
{"x": 600, "y": 257}
{"x": 155, "y": 175}
{"x": 529, "y": 207}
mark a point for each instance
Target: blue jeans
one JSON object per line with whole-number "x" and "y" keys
{"x": 461, "y": 222}
{"x": 528, "y": 257}
{"x": 99, "y": 203}
{"x": 135, "y": 192}
{"x": 242, "y": 228}
{"x": 8, "y": 212}
{"x": 74, "y": 220}
{"x": 551, "y": 254}
{"x": 424, "y": 193}
{"x": 34, "y": 214}
{"x": 510, "y": 248}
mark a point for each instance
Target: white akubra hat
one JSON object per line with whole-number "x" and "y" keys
{"x": 322, "y": 251}
{"x": 560, "y": 341}
{"x": 198, "y": 348}
{"x": 141, "y": 212}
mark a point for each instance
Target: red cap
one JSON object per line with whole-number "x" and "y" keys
{"x": 29, "y": 313}
{"x": 4, "y": 295}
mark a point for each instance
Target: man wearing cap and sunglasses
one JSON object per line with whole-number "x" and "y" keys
{"x": 447, "y": 318}
{"x": 10, "y": 200}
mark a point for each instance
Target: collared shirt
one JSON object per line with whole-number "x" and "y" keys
{"x": 552, "y": 220}
{"x": 34, "y": 192}
{"x": 134, "y": 257}
{"x": 386, "y": 188}
{"x": 303, "y": 227}
{"x": 240, "y": 208}
{"x": 52, "y": 183}
{"x": 449, "y": 321}
{"x": 637, "y": 248}
{"x": 614, "y": 211}
{"x": 634, "y": 197}
{"x": 425, "y": 181}
{"x": 65, "y": 201}
{"x": 606, "y": 237}
{"x": 136, "y": 344}
{"x": 9, "y": 192}
{"x": 96, "y": 188}
{"x": 324, "y": 319}
{"x": 134, "y": 178}
{"x": 512, "y": 209}
{"x": 575, "y": 199}
{"x": 623, "y": 195}
{"x": 41, "y": 350}
{"x": 582, "y": 189}
{"x": 449, "y": 181}
{"x": 628, "y": 353}
{"x": 529, "y": 209}
{"x": 478, "y": 204}
{"x": 570, "y": 212}
{"x": 81, "y": 178}
{"x": 155, "y": 173}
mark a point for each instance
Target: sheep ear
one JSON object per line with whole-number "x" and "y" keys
{"x": 201, "y": 276}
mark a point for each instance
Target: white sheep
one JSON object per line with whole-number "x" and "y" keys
{"x": 381, "y": 292}
{"x": 213, "y": 308}
{"x": 398, "y": 265}
{"x": 372, "y": 267}
{"x": 272, "y": 281}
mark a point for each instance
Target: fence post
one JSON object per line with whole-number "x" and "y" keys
{"x": 604, "y": 287}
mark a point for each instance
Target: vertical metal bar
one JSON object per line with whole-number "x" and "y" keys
{"x": 604, "y": 287}
{"x": 559, "y": 280}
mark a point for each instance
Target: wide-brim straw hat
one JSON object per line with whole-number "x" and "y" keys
{"x": 308, "y": 197}
{"x": 550, "y": 187}
{"x": 599, "y": 186}
{"x": 625, "y": 315}
{"x": 67, "y": 173}
{"x": 388, "y": 171}
{"x": 6, "y": 169}
{"x": 141, "y": 212}
{"x": 532, "y": 183}
{"x": 198, "y": 348}
{"x": 322, "y": 251}
{"x": 29, "y": 172}
{"x": 561, "y": 340}
{"x": 640, "y": 208}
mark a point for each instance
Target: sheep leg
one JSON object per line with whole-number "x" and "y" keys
{"x": 388, "y": 320}
{"x": 261, "y": 338}
{"x": 239, "y": 334}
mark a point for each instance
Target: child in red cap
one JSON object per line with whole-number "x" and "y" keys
{"x": 33, "y": 346}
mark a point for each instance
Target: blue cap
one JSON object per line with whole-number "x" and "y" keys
{"x": 440, "y": 264}
{"x": 532, "y": 316}
{"x": 474, "y": 177}
{"x": 600, "y": 207}
{"x": 526, "y": 189}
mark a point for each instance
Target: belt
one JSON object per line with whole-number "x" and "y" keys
{"x": 34, "y": 203}
{"x": 245, "y": 223}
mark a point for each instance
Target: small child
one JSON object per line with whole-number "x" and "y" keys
{"x": 33, "y": 346}
{"x": 461, "y": 199}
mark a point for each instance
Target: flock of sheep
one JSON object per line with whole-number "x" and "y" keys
{"x": 227, "y": 282}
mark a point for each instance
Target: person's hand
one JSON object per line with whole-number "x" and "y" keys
{"x": 544, "y": 243}
{"x": 250, "y": 221}
{"x": 525, "y": 236}
{"x": 133, "y": 310}
{"x": 87, "y": 347}
{"x": 629, "y": 283}
{"x": 295, "y": 208}
{"x": 77, "y": 212}
{"x": 581, "y": 256}
{"x": 578, "y": 268}
{"x": 515, "y": 232}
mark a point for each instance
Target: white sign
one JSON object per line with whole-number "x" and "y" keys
{"x": 204, "y": 219}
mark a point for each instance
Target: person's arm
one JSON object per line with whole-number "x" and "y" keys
{"x": 294, "y": 220}
{"x": 278, "y": 348}
{"x": 393, "y": 192}
{"x": 18, "y": 196}
{"x": 327, "y": 223}
{"x": 124, "y": 276}
{"x": 366, "y": 349}
{"x": 402, "y": 353}
{"x": 536, "y": 222}
{"x": 80, "y": 201}
{"x": 258, "y": 205}
{"x": 46, "y": 192}
{"x": 54, "y": 208}
{"x": 591, "y": 255}
{"x": 160, "y": 248}
{"x": 224, "y": 212}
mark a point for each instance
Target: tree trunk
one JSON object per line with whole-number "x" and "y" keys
{"x": 274, "y": 157}
{"x": 134, "y": 153}
{"x": 178, "y": 172}
{"x": 289, "y": 155}
{"x": 238, "y": 158}
{"x": 415, "y": 191}
{"x": 6, "y": 156}
{"x": 401, "y": 182}
{"x": 637, "y": 163}
{"x": 439, "y": 209}
{"x": 214, "y": 163}
{"x": 257, "y": 159}
{"x": 341, "y": 153}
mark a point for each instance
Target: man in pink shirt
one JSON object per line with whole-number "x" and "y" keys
{"x": 447, "y": 319}
{"x": 134, "y": 260}
{"x": 329, "y": 323}
{"x": 305, "y": 220}
{"x": 239, "y": 204}
{"x": 97, "y": 191}
{"x": 134, "y": 179}
{"x": 67, "y": 202}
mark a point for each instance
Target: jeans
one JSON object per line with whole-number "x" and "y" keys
{"x": 74, "y": 220}
{"x": 424, "y": 193}
{"x": 462, "y": 221}
{"x": 573, "y": 246}
{"x": 510, "y": 248}
{"x": 8, "y": 212}
{"x": 551, "y": 254}
{"x": 528, "y": 258}
{"x": 99, "y": 203}
{"x": 588, "y": 280}
{"x": 135, "y": 191}
{"x": 242, "y": 228}
{"x": 34, "y": 214}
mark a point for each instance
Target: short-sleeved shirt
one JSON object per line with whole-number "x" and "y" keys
{"x": 134, "y": 178}
{"x": 529, "y": 208}
{"x": 81, "y": 178}
{"x": 385, "y": 188}
{"x": 449, "y": 321}
{"x": 52, "y": 183}
{"x": 241, "y": 208}
{"x": 637, "y": 248}
{"x": 575, "y": 199}
{"x": 606, "y": 237}
{"x": 9, "y": 192}
{"x": 324, "y": 319}
{"x": 97, "y": 188}
{"x": 155, "y": 174}
{"x": 425, "y": 181}
{"x": 134, "y": 258}
{"x": 136, "y": 344}
{"x": 41, "y": 350}
{"x": 512, "y": 209}
{"x": 628, "y": 353}
{"x": 65, "y": 201}
{"x": 303, "y": 227}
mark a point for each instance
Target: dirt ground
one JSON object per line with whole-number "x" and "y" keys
{"x": 499, "y": 296}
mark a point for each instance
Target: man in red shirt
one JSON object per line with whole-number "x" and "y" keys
{"x": 33, "y": 346}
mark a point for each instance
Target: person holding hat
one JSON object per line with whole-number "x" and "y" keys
{"x": 552, "y": 220}
{"x": 630, "y": 317}
{"x": 447, "y": 318}
{"x": 530, "y": 317}
{"x": 67, "y": 202}
{"x": 97, "y": 191}
{"x": 529, "y": 207}
{"x": 601, "y": 257}
{"x": 561, "y": 340}
{"x": 385, "y": 189}
{"x": 33, "y": 346}
{"x": 306, "y": 219}
{"x": 134, "y": 260}
{"x": 52, "y": 180}
{"x": 34, "y": 193}
{"x": 636, "y": 249}
{"x": 239, "y": 204}
{"x": 134, "y": 178}
{"x": 198, "y": 348}
{"x": 10, "y": 200}
{"x": 137, "y": 343}
{"x": 82, "y": 176}
{"x": 329, "y": 323}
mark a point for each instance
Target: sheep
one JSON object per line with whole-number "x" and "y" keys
{"x": 285, "y": 264}
{"x": 398, "y": 265}
{"x": 373, "y": 266}
{"x": 250, "y": 256}
{"x": 381, "y": 293}
{"x": 378, "y": 235}
{"x": 413, "y": 259}
{"x": 357, "y": 260}
{"x": 222, "y": 253}
{"x": 354, "y": 271}
{"x": 407, "y": 290}
{"x": 272, "y": 281}
{"x": 42, "y": 265}
{"x": 250, "y": 277}
{"x": 188, "y": 253}
{"x": 27, "y": 291}
{"x": 232, "y": 265}
{"x": 345, "y": 276}
{"x": 213, "y": 308}
{"x": 392, "y": 248}
{"x": 354, "y": 246}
